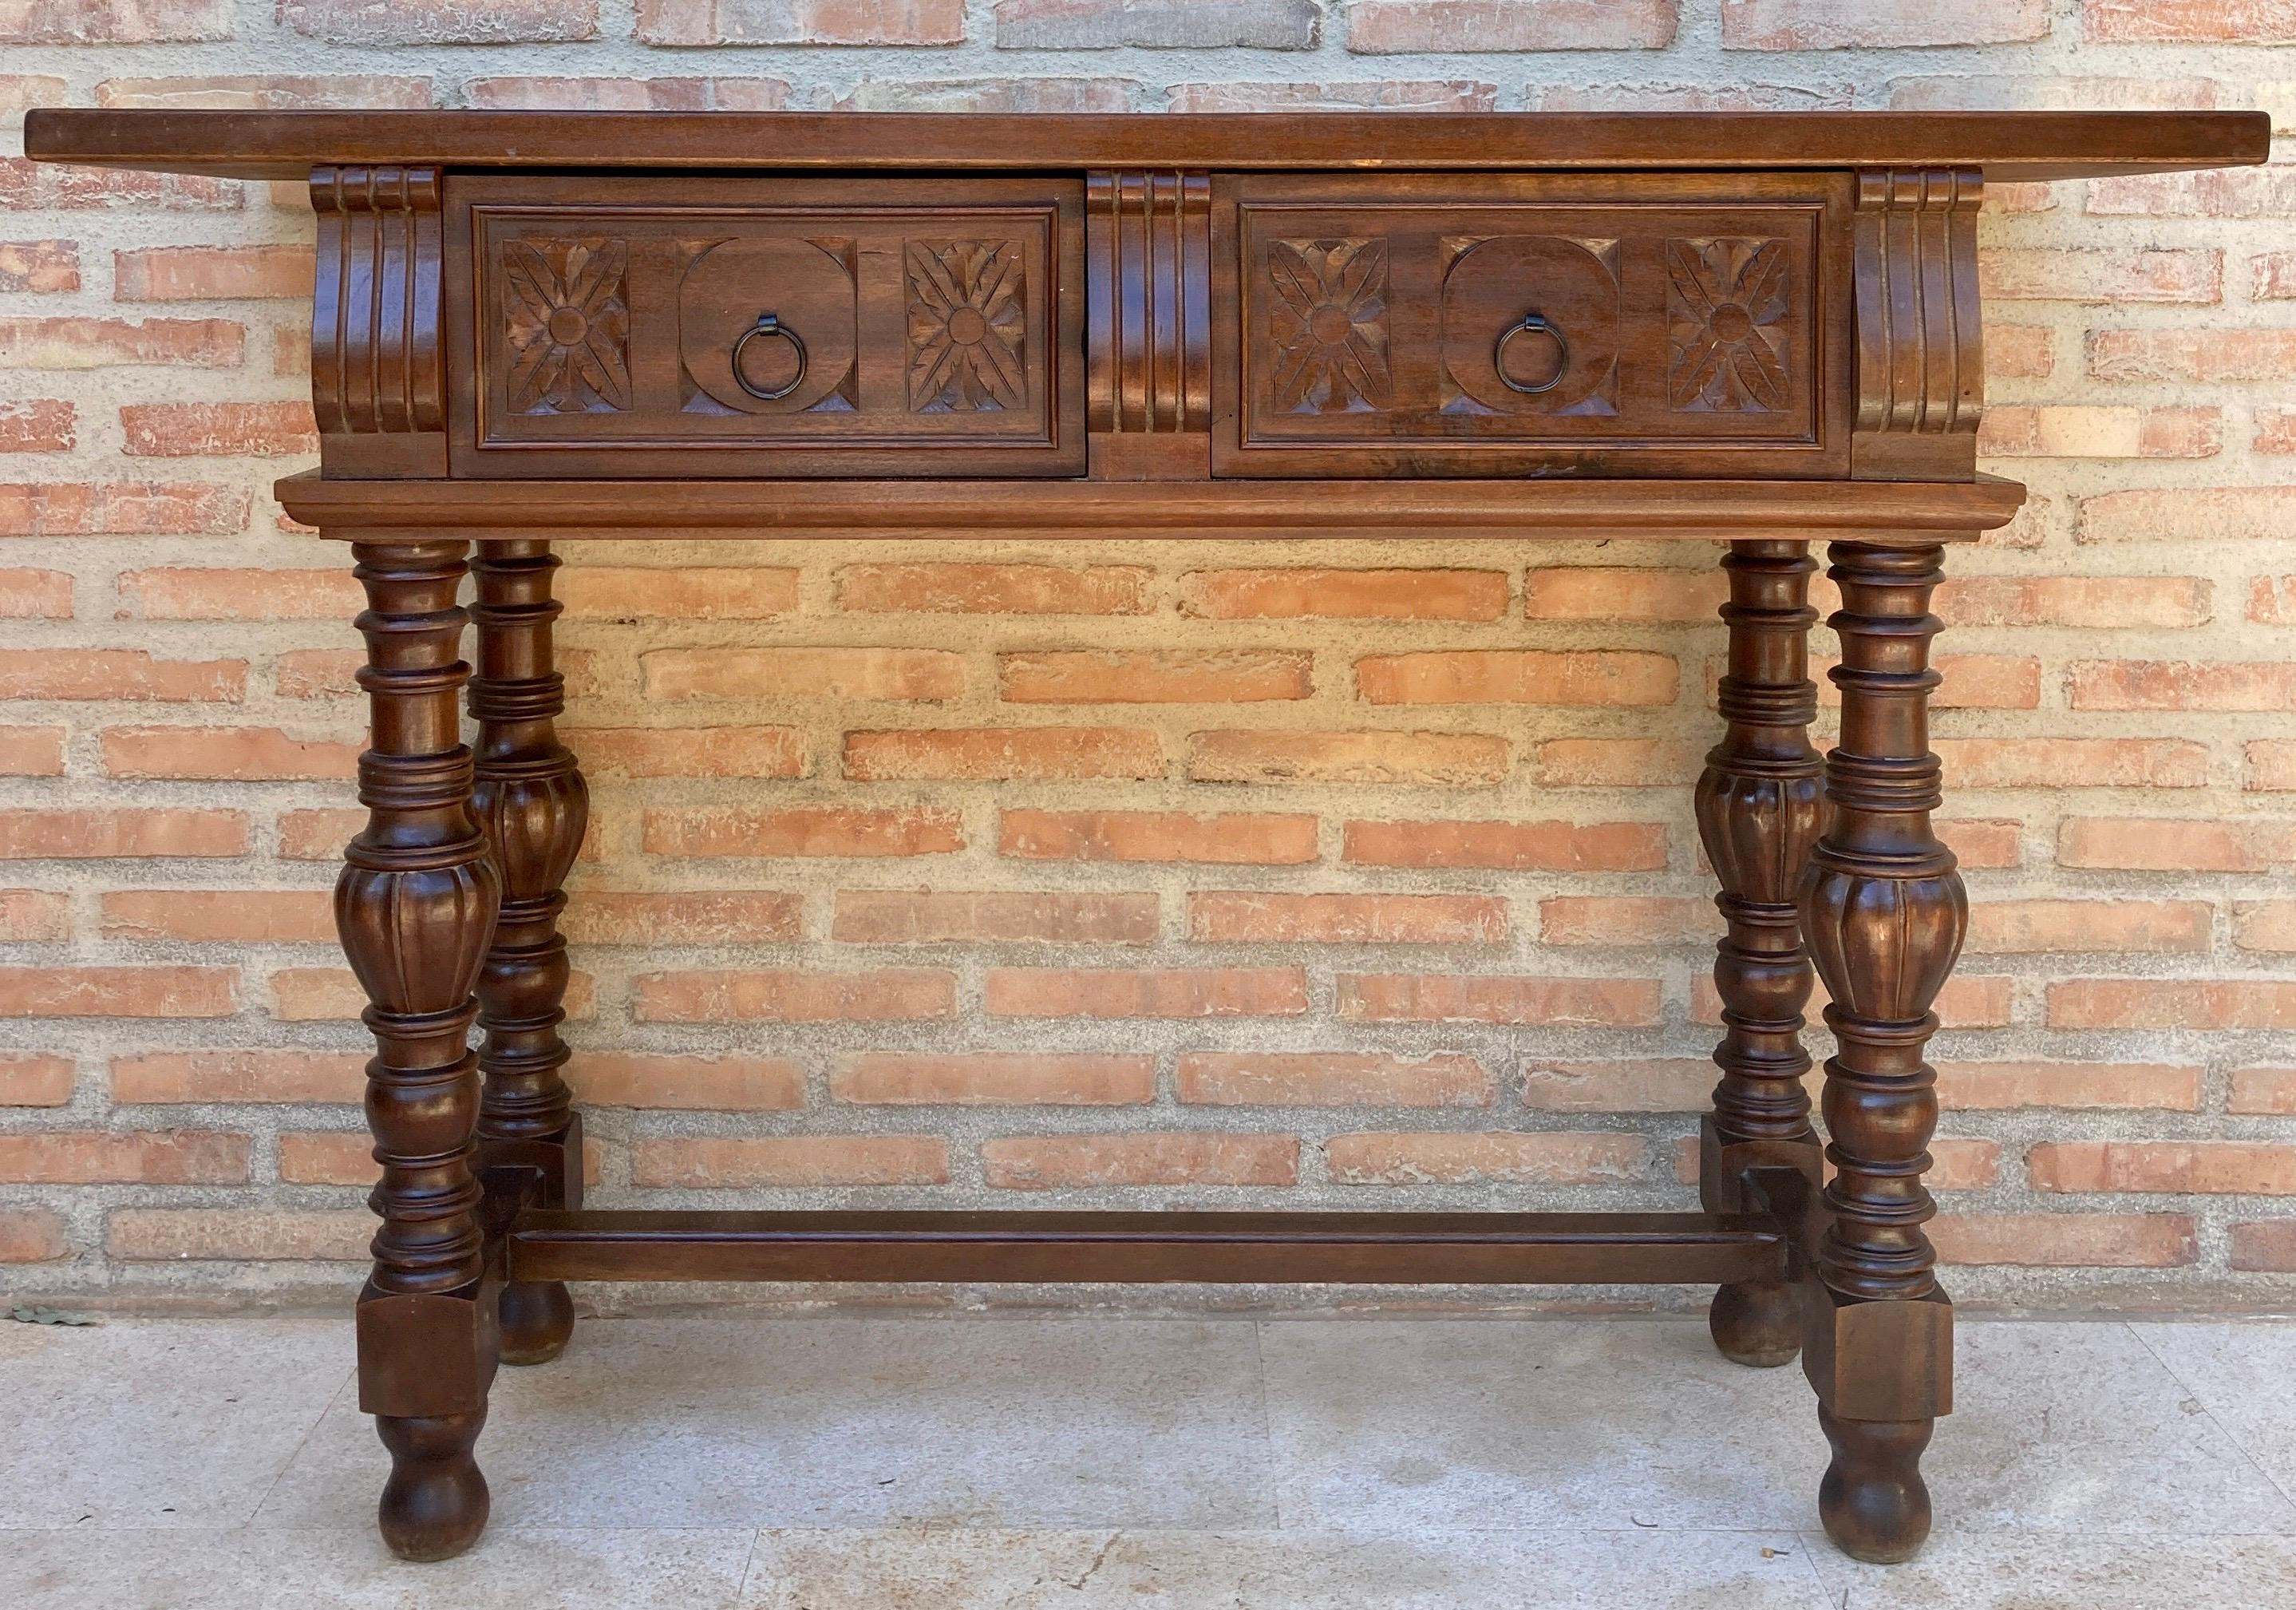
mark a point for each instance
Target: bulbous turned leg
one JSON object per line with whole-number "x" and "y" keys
{"x": 538, "y": 1318}
{"x": 1759, "y": 804}
{"x": 1873, "y": 1499}
{"x": 434, "y": 1506}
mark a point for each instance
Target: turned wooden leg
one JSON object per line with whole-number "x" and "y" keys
{"x": 416, "y": 906}
{"x": 1883, "y": 914}
{"x": 533, "y": 804}
{"x": 1761, "y": 802}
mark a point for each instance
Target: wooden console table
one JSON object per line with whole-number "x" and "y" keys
{"x": 1759, "y": 330}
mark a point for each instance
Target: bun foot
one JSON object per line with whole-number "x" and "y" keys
{"x": 1756, "y": 1326}
{"x": 435, "y": 1503}
{"x": 1873, "y": 1500}
{"x": 537, "y": 1318}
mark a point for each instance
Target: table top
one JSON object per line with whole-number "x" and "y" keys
{"x": 2007, "y": 146}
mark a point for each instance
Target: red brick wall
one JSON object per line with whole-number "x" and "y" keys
{"x": 959, "y": 872}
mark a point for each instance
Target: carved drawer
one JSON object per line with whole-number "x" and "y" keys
{"x": 763, "y": 326}
{"x": 1533, "y": 325}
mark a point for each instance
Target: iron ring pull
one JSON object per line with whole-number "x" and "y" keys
{"x": 1531, "y": 324}
{"x": 769, "y": 325}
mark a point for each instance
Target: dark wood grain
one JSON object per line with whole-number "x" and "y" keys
{"x": 377, "y": 383}
{"x": 2006, "y": 146}
{"x": 1148, "y": 339}
{"x": 1921, "y": 365}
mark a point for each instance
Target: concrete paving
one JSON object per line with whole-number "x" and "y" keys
{"x": 728, "y": 1460}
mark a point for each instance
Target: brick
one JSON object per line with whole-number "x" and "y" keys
{"x": 248, "y": 1075}
{"x": 607, "y": 592}
{"x": 268, "y": 92}
{"x": 539, "y": 94}
{"x": 118, "y": 673}
{"x": 1508, "y": 846}
{"x": 30, "y": 186}
{"x": 248, "y": 754}
{"x": 800, "y": 21}
{"x": 993, "y": 1079}
{"x": 910, "y": 917}
{"x": 1406, "y": 94}
{"x": 1050, "y": 1162}
{"x": 2021, "y": 351}
{"x": 34, "y": 595}
{"x": 1657, "y": 1084}
{"x": 39, "y": 266}
{"x": 1506, "y": 1157}
{"x": 1332, "y": 1078}
{"x": 2265, "y": 925}
{"x": 2272, "y": 276}
{"x": 219, "y": 430}
{"x": 1596, "y": 1003}
{"x": 85, "y": 834}
{"x": 2167, "y": 844}
{"x": 993, "y": 589}
{"x": 238, "y": 1235}
{"x": 2096, "y": 431}
{"x": 2066, "y": 1240}
{"x": 1692, "y": 97}
{"x": 702, "y": 917}
{"x": 2115, "y": 1087}
{"x": 2198, "y": 1167}
{"x": 328, "y": 1157}
{"x": 1154, "y": 676}
{"x": 318, "y": 835}
{"x": 118, "y": 991}
{"x": 2275, "y": 431}
{"x": 114, "y": 22}
{"x": 1462, "y": 760}
{"x": 2191, "y": 515}
{"x": 1819, "y": 25}
{"x": 803, "y": 673}
{"x": 2271, "y": 765}
{"x": 97, "y": 343}
{"x": 2240, "y": 192}
{"x": 239, "y": 916}
{"x": 1982, "y": 843}
{"x": 2147, "y": 1003}
{"x": 30, "y": 1079}
{"x": 442, "y": 22}
{"x": 2269, "y": 1246}
{"x": 124, "y": 1157}
{"x": 34, "y": 916}
{"x": 2092, "y": 602}
{"x": 1394, "y": 595}
{"x": 985, "y": 753}
{"x": 216, "y": 593}
{"x": 1178, "y": 992}
{"x": 2009, "y": 927}
{"x": 2191, "y": 355}
{"x": 2073, "y": 762}
{"x": 2130, "y": 275}
{"x": 1236, "y": 839}
{"x": 332, "y": 995}
{"x": 989, "y": 95}
{"x": 2265, "y": 1091}
{"x": 195, "y": 508}
{"x": 791, "y": 1160}
{"x": 39, "y": 425}
{"x": 21, "y": 92}
{"x": 2183, "y": 684}
{"x": 2070, "y": 92}
{"x": 1617, "y": 593}
{"x": 317, "y": 673}
{"x": 180, "y": 274}
{"x": 1382, "y": 27}
{"x": 32, "y": 1235}
{"x": 690, "y": 751}
{"x": 828, "y": 831}
{"x": 2228, "y": 22}
{"x": 1617, "y": 763}
{"x": 1252, "y": 917}
{"x": 670, "y": 1083}
{"x": 784, "y": 995}
{"x": 1517, "y": 676}
{"x": 1158, "y": 24}
{"x": 1626, "y": 920}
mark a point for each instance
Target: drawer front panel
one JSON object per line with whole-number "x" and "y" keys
{"x": 766, "y": 327}
{"x": 1541, "y": 325}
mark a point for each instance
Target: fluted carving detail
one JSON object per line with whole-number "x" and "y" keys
{"x": 1759, "y": 803}
{"x": 1884, "y": 913}
{"x": 414, "y": 906}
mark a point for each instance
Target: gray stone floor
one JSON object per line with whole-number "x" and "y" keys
{"x": 730, "y": 1459}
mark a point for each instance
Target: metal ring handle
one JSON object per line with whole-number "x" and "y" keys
{"x": 769, "y": 325}
{"x": 1531, "y": 324}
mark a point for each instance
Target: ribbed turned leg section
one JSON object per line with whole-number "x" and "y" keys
{"x": 1761, "y": 802}
{"x": 1884, "y": 914}
{"x": 416, "y": 906}
{"x": 534, "y": 806}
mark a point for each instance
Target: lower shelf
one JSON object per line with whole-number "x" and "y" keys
{"x": 1488, "y": 1249}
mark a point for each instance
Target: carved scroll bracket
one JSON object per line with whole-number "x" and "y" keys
{"x": 376, "y": 384}
{"x": 1148, "y": 251}
{"x": 1921, "y": 370}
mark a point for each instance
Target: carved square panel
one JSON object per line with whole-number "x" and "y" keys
{"x": 567, "y": 325}
{"x": 968, "y": 326}
{"x": 1327, "y": 319}
{"x": 1728, "y": 302}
